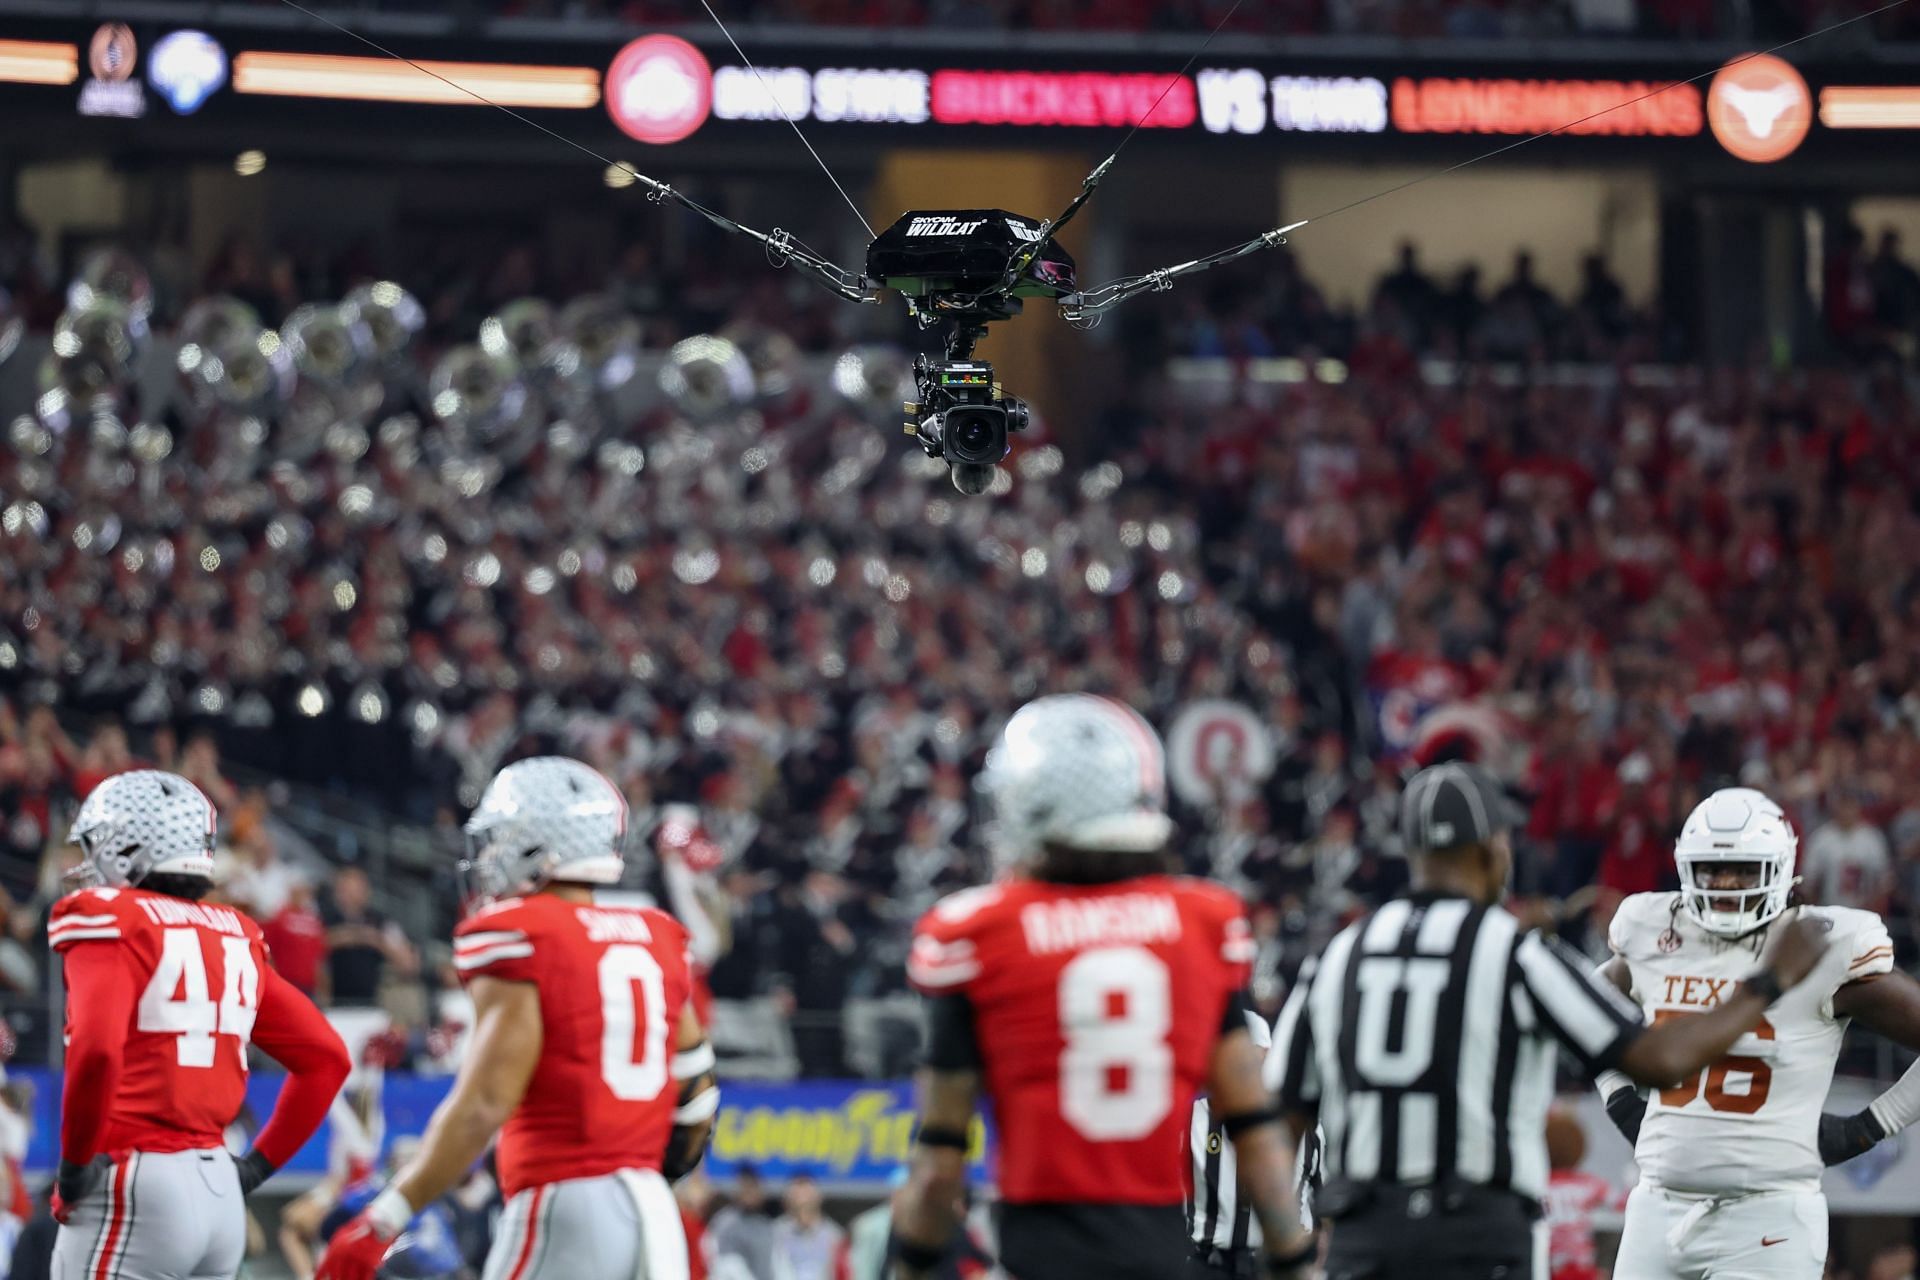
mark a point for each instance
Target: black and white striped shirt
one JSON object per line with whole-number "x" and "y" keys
{"x": 1218, "y": 1216}
{"x": 1425, "y": 1039}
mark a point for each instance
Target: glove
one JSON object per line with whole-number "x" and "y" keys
{"x": 357, "y": 1249}
{"x": 1844, "y": 1137}
{"x": 354, "y": 1253}
{"x": 253, "y": 1169}
{"x": 74, "y": 1183}
{"x": 1627, "y": 1108}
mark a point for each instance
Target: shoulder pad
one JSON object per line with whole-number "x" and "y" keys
{"x": 958, "y": 908}
{"x": 944, "y": 956}
{"x": 86, "y": 915}
{"x": 1641, "y": 920}
{"x": 1861, "y": 935}
{"x": 492, "y": 939}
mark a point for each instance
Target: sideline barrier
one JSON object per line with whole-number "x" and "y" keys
{"x": 850, "y": 1135}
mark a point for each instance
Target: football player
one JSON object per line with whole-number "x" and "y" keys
{"x": 586, "y": 1058}
{"x": 1089, "y": 995}
{"x": 164, "y": 993}
{"x": 1730, "y": 1160}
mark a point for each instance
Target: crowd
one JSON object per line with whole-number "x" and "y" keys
{"x": 1616, "y": 593}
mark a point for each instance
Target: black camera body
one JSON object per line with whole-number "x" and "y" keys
{"x": 969, "y": 265}
{"x": 964, "y": 268}
{"x": 962, "y": 419}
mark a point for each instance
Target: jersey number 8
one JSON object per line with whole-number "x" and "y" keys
{"x": 1116, "y": 1073}
{"x": 193, "y": 1016}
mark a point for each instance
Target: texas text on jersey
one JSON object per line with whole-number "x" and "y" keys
{"x": 612, "y": 983}
{"x": 1096, "y": 1009}
{"x": 1750, "y": 1122}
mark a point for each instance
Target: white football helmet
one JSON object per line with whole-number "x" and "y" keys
{"x": 137, "y": 824}
{"x": 547, "y": 818}
{"x": 1080, "y": 771}
{"x": 1742, "y": 826}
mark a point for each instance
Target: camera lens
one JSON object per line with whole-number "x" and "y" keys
{"x": 975, "y": 433}
{"x": 973, "y": 436}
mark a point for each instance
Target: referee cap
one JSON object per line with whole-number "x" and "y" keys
{"x": 1449, "y": 805}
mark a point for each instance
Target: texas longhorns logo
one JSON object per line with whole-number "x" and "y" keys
{"x": 1759, "y": 108}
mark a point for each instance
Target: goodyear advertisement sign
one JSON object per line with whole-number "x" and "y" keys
{"x": 848, "y": 1134}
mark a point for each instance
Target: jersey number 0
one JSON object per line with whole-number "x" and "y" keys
{"x": 633, "y": 996}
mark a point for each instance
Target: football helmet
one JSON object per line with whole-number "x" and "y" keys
{"x": 543, "y": 819}
{"x": 1080, "y": 771}
{"x": 134, "y": 825}
{"x": 1741, "y": 826}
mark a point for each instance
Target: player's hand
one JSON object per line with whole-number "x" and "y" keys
{"x": 1793, "y": 951}
{"x": 74, "y": 1183}
{"x": 354, "y": 1253}
{"x": 253, "y": 1170}
{"x": 1844, "y": 1137}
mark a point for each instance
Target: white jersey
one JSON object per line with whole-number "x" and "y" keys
{"x": 1750, "y": 1122}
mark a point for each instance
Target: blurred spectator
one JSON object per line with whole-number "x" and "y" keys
{"x": 808, "y": 1245}
{"x": 741, "y": 1233}
{"x": 361, "y": 942}
{"x": 1573, "y": 1199}
{"x": 1893, "y": 1262}
{"x": 106, "y": 754}
{"x": 814, "y": 950}
{"x": 1846, "y": 862}
{"x": 296, "y": 935}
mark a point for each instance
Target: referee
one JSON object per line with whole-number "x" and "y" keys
{"x": 1423, "y": 1041}
{"x": 1226, "y": 1235}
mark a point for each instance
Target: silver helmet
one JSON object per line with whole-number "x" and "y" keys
{"x": 143, "y": 823}
{"x": 1080, "y": 771}
{"x": 544, "y": 819}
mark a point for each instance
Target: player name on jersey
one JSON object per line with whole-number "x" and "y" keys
{"x": 1134, "y": 919}
{"x": 614, "y": 926}
{"x": 165, "y": 911}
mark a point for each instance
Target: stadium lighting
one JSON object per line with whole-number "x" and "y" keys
{"x": 1870, "y": 107}
{"x": 39, "y": 62}
{"x": 465, "y": 84}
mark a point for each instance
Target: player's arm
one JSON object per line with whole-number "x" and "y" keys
{"x": 928, "y": 1213}
{"x": 101, "y": 988}
{"x": 1591, "y": 1018}
{"x": 493, "y": 1079}
{"x": 294, "y": 1034}
{"x": 1262, "y": 1145}
{"x": 1888, "y": 1004}
{"x": 1626, "y": 1105}
{"x": 698, "y": 1101}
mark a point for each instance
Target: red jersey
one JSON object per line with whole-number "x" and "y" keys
{"x": 612, "y": 983}
{"x": 192, "y": 976}
{"x": 1096, "y": 1008}
{"x": 1572, "y": 1199}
